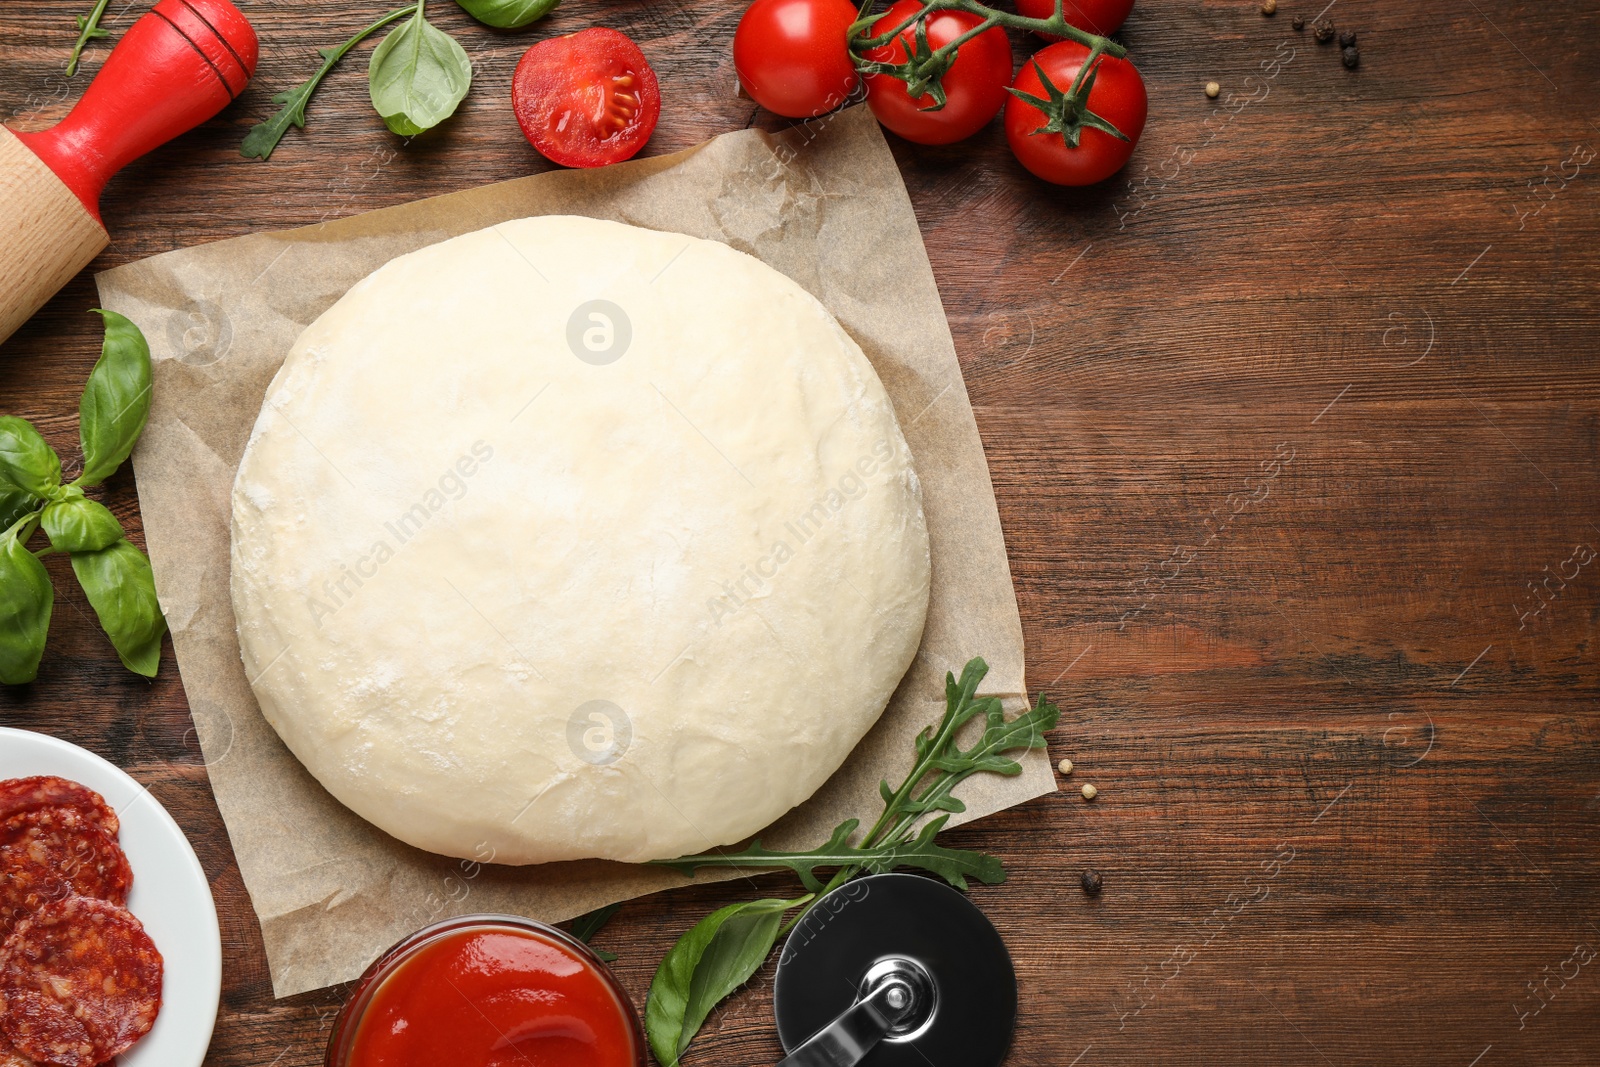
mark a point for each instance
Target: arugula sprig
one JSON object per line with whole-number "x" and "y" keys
{"x": 89, "y": 29}
{"x": 920, "y": 852}
{"x": 115, "y": 575}
{"x": 585, "y": 926}
{"x": 720, "y": 953}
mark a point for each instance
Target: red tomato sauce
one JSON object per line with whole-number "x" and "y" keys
{"x": 495, "y": 997}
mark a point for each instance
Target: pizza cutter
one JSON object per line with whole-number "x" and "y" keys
{"x": 895, "y": 970}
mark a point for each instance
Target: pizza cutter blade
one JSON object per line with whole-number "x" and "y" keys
{"x": 895, "y": 970}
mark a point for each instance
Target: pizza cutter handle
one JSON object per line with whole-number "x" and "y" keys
{"x": 846, "y": 1041}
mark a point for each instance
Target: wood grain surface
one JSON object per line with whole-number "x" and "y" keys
{"x": 1294, "y": 429}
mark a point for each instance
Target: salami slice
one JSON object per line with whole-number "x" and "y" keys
{"x": 52, "y": 853}
{"x": 18, "y": 795}
{"x": 80, "y": 982}
{"x": 10, "y": 1057}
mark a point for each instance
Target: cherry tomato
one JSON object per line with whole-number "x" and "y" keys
{"x": 586, "y": 99}
{"x": 792, "y": 57}
{"x": 1117, "y": 96}
{"x": 975, "y": 84}
{"x": 1095, "y": 16}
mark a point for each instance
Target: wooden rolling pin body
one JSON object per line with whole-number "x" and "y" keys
{"x": 176, "y": 67}
{"x": 46, "y": 236}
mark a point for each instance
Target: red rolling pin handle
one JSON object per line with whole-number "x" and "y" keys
{"x": 181, "y": 63}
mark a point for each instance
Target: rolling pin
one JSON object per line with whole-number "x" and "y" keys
{"x": 181, "y": 63}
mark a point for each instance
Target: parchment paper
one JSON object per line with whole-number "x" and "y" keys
{"x": 824, "y": 204}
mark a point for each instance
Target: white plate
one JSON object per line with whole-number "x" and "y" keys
{"x": 170, "y": 895}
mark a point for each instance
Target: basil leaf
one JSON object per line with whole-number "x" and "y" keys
{"x": 25, "y": 602}
{"x": 264, "y": 136}
{"x": 116, "y": 400}
{"x": 79, "y": 525}
{"x": 118, "y": 583}
{"x": 14, "y": 503}
{"x": 27, "y": 462}
{"x": 508, "y": 14}
{"x": 417, "y": 76}
{"x": 708, "y": 963}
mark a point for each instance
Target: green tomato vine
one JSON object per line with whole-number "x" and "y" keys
{"x": 925, "y": 66}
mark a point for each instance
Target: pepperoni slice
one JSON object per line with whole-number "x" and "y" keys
{"x": 52, "y": 853}
{"x": 80, "y": 982}
{"x": 18, "y": 795}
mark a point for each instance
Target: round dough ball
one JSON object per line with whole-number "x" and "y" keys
{"x": 569, "y": 539}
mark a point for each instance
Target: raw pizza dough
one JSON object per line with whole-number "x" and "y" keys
{"x": 570, "y": 539}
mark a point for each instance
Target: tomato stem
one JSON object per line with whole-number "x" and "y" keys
{"x": 925, "y": 67}
{"x": 1068, "y": 113}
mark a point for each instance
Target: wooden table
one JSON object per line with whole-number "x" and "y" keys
{"x": 1294, "y": 430}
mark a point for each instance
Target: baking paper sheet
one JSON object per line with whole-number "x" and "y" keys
{"x": 824, "y": 204}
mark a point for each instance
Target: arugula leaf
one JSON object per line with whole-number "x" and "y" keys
{"x": 264, "y": 136}
{"x": 953, "y": 865}
{"x": 418, "y": 76}
{"x": 116, "y": 400}
{"x": 585, "y": 926}
{"x": 508, "y": 14}
{"x": 88, "y": 30}
{"x": 1026, "y": 731}
{"x": 708, "y": 963}
{"x": 941, "y": 766}
{"x": 26, "y": 598}
{"x": 75, "y": 524}
{"x": 26, "y": 461}
{"x": 118, "y": 582}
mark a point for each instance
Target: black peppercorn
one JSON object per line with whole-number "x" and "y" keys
{"x": 1092, "y": 882}
{"x": 1351, "y": 57}
{"x": 1347, "y": 38}
{"x": 1299, "y": 22}
{"x": 1323, "y": 28}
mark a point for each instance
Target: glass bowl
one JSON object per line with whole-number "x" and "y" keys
{"x": 341, "y": 1044}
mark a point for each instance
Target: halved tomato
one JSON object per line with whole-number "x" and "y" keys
{"x": 586, "y": 99}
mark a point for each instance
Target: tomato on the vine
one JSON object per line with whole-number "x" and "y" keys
{"x": 792, "y": 56}
{"x": 586, "y": 99}
{"x": 1074, "y": 134}
{"x": 1093, "y": 16}
{"x": 974, "y": 86}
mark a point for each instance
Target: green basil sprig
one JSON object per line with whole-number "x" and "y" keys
{"x": 26, "y": 461}
{"x": 120, "y": 587}
{"x": 706, "y": 965}
{"x": 14, "y": 503}
{"x": 710, "y": 962}
{"x": 77, "y": 524}
{"x": 508, "y": 14}
{"x": 25, "y": 601}
{"x": 418, "y": 76}
{"x": 116, "y": 400}
{"x": 115, "y": 575}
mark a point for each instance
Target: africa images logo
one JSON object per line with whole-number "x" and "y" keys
{"x": 754, "y": 578}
